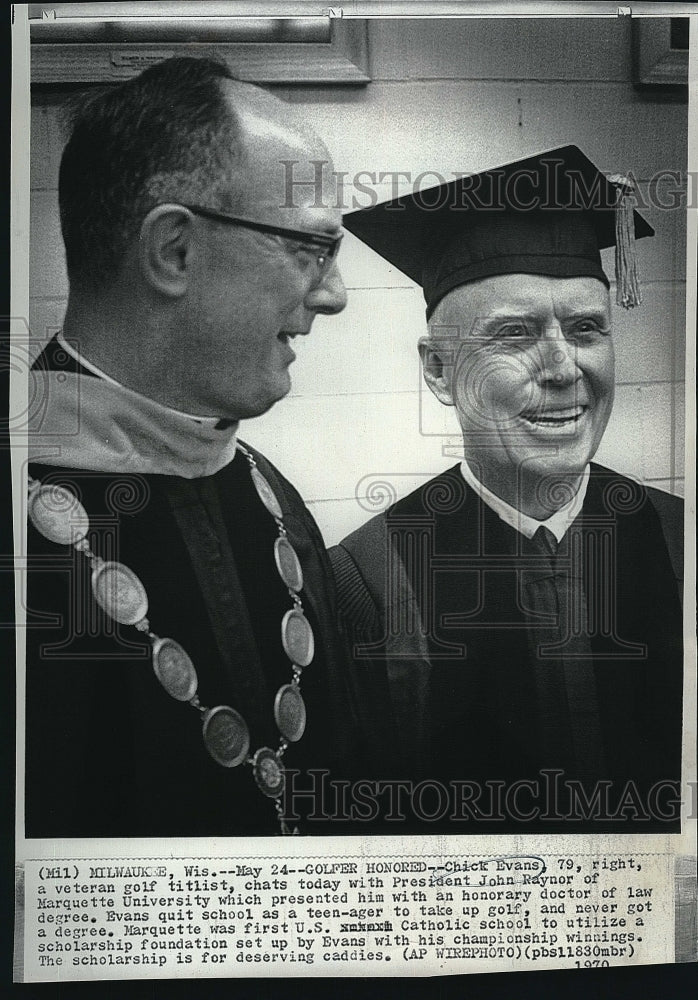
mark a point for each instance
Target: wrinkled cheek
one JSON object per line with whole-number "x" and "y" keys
{"x": 491, "y": 390}
{"x": 601, "y": 417}
{"x": 609, "y": 395}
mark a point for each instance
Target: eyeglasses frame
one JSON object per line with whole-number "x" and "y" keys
{"x": 331, "y": 243}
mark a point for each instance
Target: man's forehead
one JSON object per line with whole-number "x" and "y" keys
{"x": 287, "y": 176}
{"x": 295, "y": 193}
{"x": 525, "y": 293}
{"x": 299, "y": 191}
{"x": 287, "y": 169}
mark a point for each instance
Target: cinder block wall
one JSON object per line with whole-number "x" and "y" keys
{"x": 446, "y": 96}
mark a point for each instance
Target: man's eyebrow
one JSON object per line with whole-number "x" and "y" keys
{"x": 512, "y": 313}
{"x": 322, "y": 224}
{"x": 322, "y": 232}
{"x": 330, "y": 229}
{"x": 600, "y": 315}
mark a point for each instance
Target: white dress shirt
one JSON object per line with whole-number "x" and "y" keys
{"x": 558, "y": 523}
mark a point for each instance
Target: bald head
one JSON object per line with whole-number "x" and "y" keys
{"x": 182, "y": 131}
{"x": 275, "y": 144}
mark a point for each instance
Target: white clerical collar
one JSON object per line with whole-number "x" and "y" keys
{"x": 558, "y": 523}
{"x": 95, "y": 423}
{"x": 69, "y": 349}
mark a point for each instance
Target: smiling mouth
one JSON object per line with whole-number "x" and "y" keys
{"x": 567, "y": 417}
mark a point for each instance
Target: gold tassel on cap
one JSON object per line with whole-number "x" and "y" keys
{"x": 628, "y": 292}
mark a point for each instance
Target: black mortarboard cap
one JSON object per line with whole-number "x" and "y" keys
{"x": 549, "y": 214}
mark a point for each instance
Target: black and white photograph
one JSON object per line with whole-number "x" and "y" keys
{"x": 353, "y": 498}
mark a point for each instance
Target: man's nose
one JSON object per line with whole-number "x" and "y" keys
{"x": 329, "y": 296}
{"x": 558, "y": 359}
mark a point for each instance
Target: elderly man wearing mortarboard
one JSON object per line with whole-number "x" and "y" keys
{"x": 518, "y": 617}
{"x": 156, "y": 538}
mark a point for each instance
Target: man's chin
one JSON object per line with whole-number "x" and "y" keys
{"x": 544, "y": 483}
{"x": 561, "y": 467}
{"x": 264, "y": 402}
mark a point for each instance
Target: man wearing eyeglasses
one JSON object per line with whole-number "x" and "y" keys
{"x": 181, "y": 653}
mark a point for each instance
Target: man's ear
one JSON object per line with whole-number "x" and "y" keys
{"x": 164, "y": 248}
{"x": 437, "y": 365}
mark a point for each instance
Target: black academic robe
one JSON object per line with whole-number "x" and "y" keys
{"x": 469, "y": 679}
{"x": 108, "y": 751}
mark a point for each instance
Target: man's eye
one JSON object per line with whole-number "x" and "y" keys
{"x": 311, "y": 248}
{"x": 586, "y": 327}
{"x": 513, "y": 331}
{"x": 309, "y": 254}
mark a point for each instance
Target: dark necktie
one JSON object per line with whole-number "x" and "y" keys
{"x": 563, "y": 668}
{"x": 545, "y": 541}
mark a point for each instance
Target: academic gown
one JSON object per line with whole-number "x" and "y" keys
{"x": 475, "y": 684}
{"x": 108, "y": 751}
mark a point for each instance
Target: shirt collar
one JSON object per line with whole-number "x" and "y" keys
{"x": 558, "y": 523}
{"x": 68, "y": 347}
